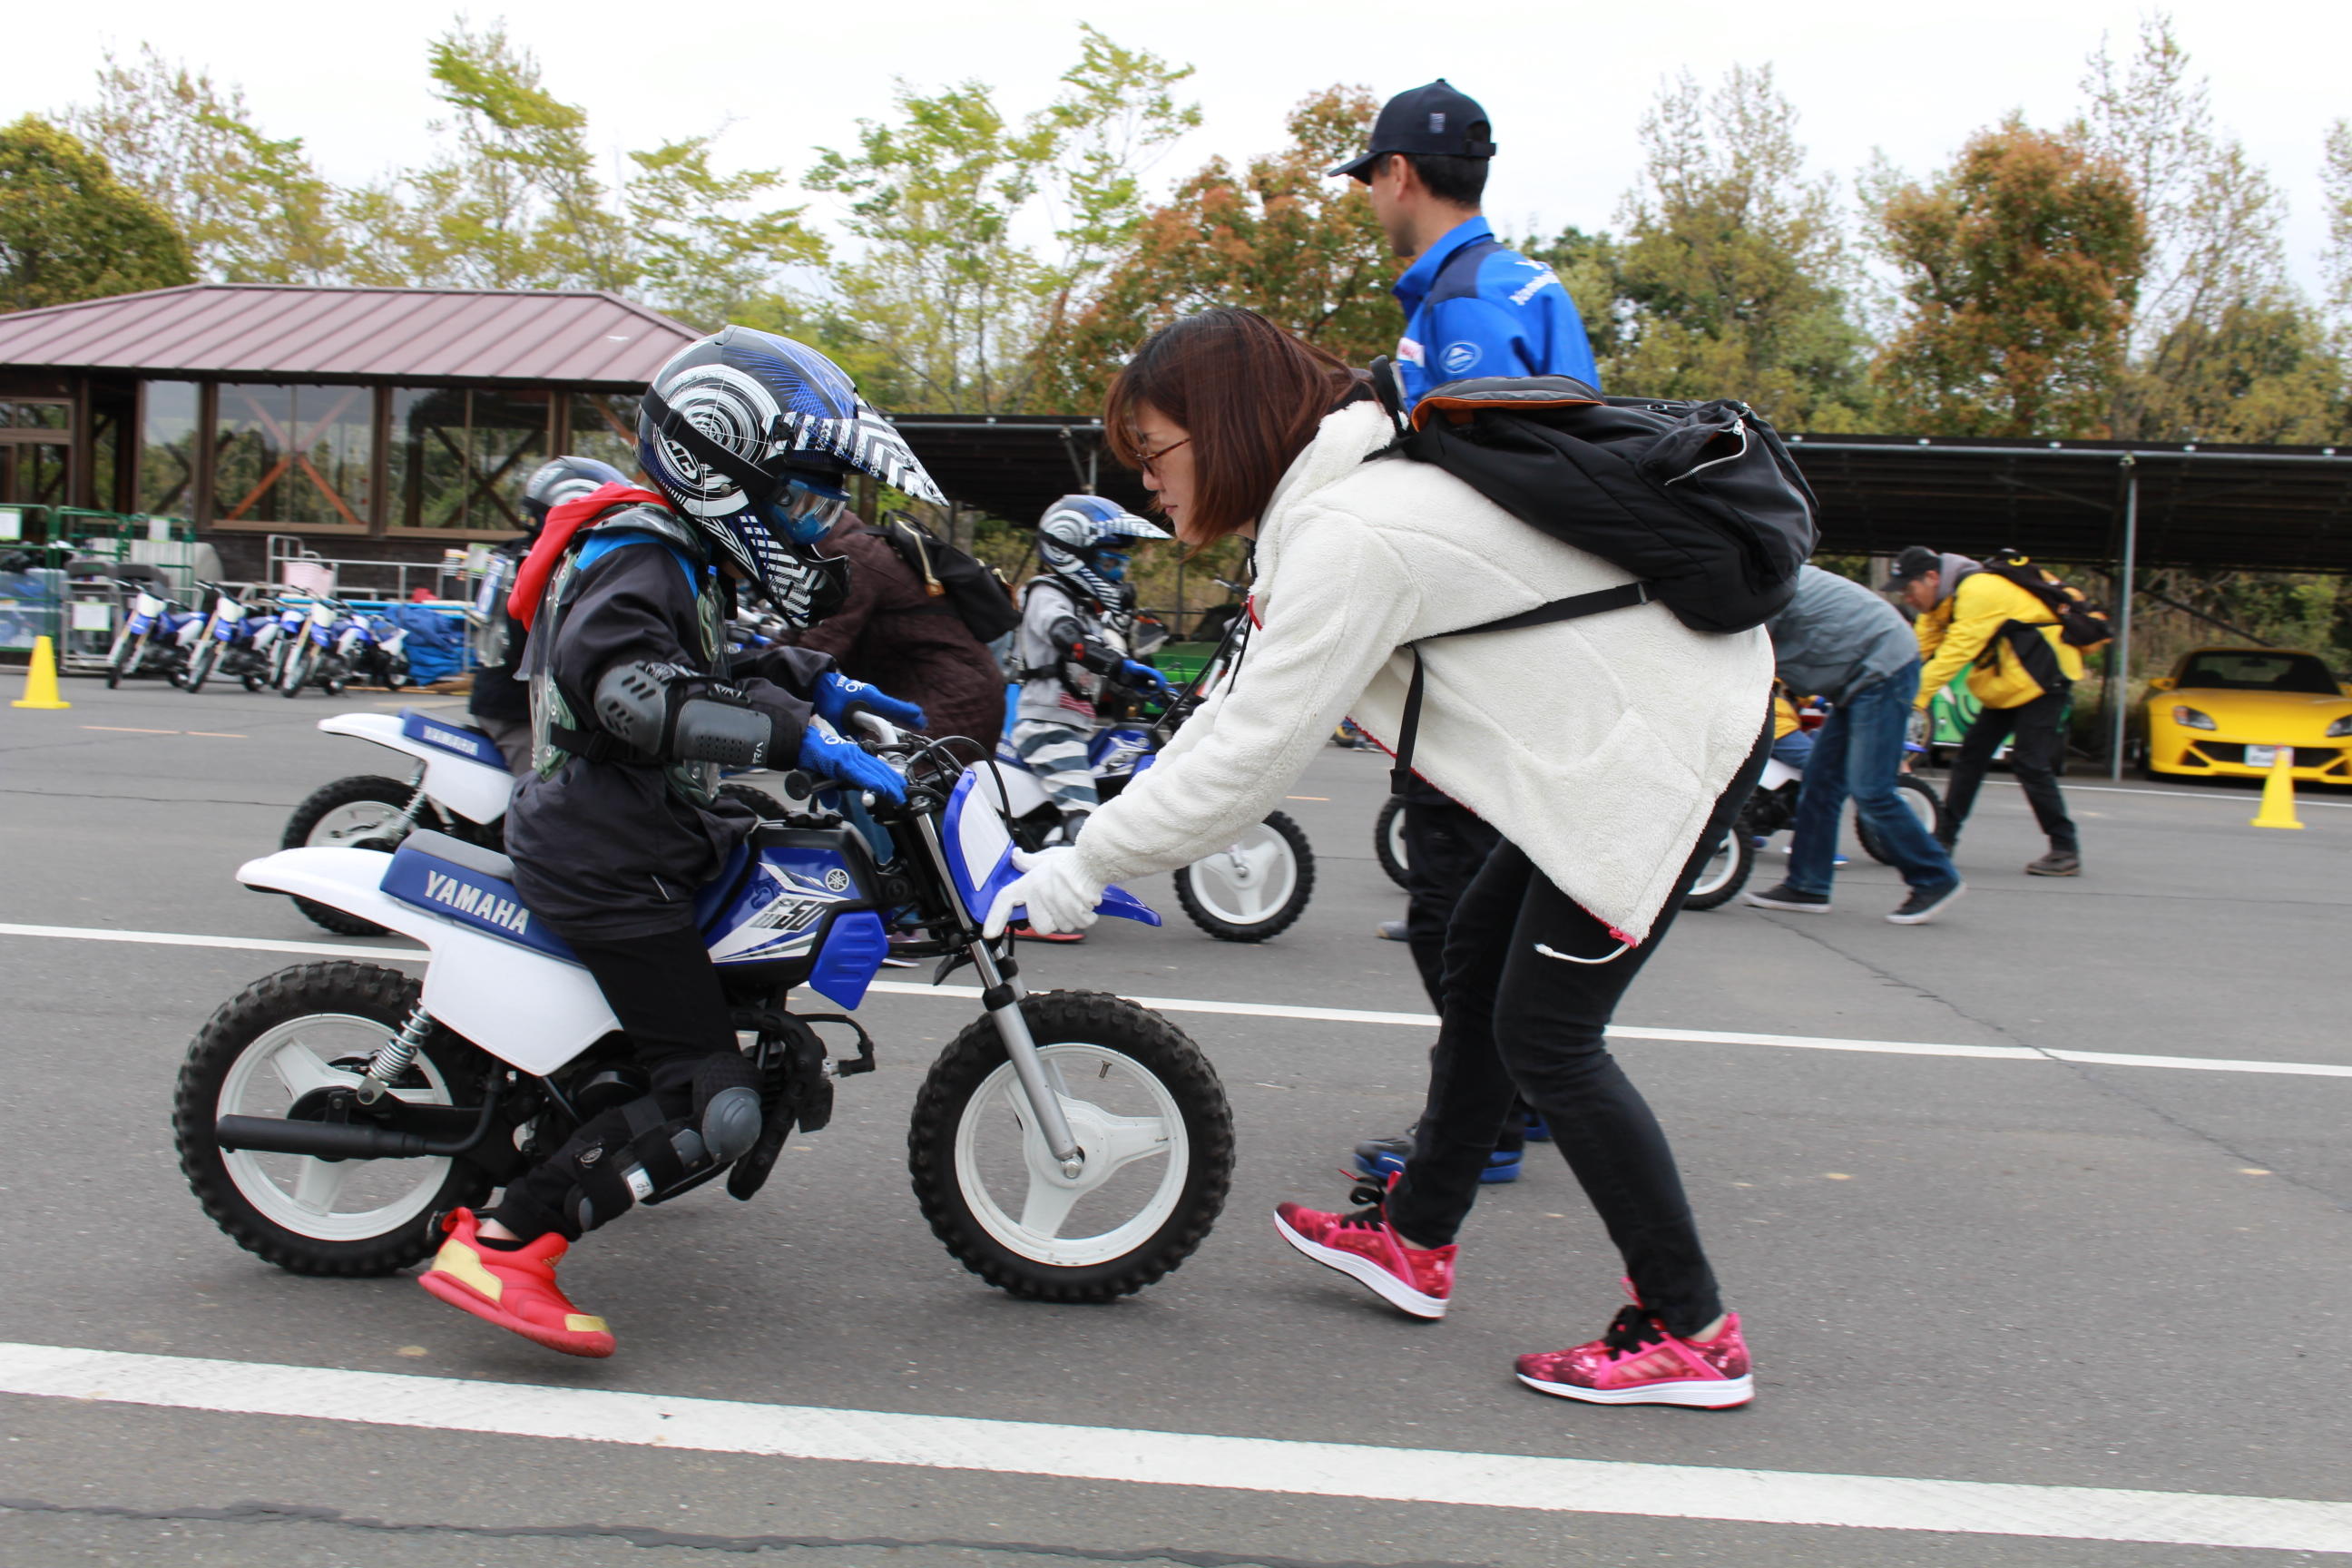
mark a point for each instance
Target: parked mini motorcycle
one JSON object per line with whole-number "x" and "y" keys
{"x": 311, "y": 656}
{"x": 226, "y": 643}
{"x": 156, "y": 637}
{"x": 1068, "y": 1146}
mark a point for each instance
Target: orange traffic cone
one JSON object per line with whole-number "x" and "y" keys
{"x": 2278, "y": 794}
{"x": 41, "y": 679}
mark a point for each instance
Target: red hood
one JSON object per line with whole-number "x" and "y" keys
{"x": 564, "y": 521}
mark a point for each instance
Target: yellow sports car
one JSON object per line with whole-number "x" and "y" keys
{"x": 2225, "y": 712}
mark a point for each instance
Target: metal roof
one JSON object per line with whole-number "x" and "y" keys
{"x": 2256, "y": 508}
{"x": 296, "y": 332}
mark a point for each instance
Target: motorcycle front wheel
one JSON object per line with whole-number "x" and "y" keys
{"x": 279, "y": 1042}
{"x": 297, "y": 670}
{"x": 200, "y": 667}
{"x": 351, "y": 814}
{"x": 1254, "y": 888}
{"x": 1147, "y": 1111}
{"x": 127, "y": 655}
{"x": 1924, "y": 803}
{"x": 1725, "y": 871}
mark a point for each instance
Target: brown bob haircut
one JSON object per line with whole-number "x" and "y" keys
{"x": 1248, "y": 393}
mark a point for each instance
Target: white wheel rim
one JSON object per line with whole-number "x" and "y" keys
{"x": 1248, "y": 881}
{"x": 1921, "y": 807}
{"x": 1132, "y": 1133}
{"x": 326, "y": 1200}
{"x": 1396, "y": 841}
{"x": 351, "y": 824}
{"x": 1719, "y": 867}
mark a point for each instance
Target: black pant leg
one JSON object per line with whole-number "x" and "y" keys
{"x": 1445, "y": 843}
{"x": 665, "y": 991}
{"x": 1973, "y": 761}
{"x": 1470, "y": 1092}
{"x": 2041, "y": 743}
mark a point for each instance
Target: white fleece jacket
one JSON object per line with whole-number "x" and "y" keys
{"x": 1597, "y": 745}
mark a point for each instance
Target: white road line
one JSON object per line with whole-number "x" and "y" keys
{"x": 2238, "y": 797}
{"x": 1316, "y": 1015}
{"x": 1177, "y": 1458}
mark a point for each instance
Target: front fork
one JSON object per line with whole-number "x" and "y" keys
{"x": 1000, "y": 993}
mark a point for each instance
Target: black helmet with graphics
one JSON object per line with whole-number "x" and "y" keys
{"x": 750, "y": 436}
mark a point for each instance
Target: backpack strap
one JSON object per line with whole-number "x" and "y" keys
{"x": 1625, "y": 596}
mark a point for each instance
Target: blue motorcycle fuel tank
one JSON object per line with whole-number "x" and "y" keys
{"x": 797, "y": 905}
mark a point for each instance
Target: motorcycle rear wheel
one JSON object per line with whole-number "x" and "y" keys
{"x": 1388, "y": 842}
{"x": 1724, "y": 872}
{"x": 286, "y": 1035}
{"x": 345, "y": 814}
{"x": 1256, "y": 888}
{"x": 1147, "y": 1108}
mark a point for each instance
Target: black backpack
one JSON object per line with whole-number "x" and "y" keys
{"x": 1700, "y": 501}
{"x": 968, "y": 588}
{"x": 2082, "y": 622}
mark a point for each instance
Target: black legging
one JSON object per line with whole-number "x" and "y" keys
{"x": 1519, "y": 1020}
{"x": 2038, "y": 745}
{"x": 1444, "y": 844}
{"x": 666, "y": 994}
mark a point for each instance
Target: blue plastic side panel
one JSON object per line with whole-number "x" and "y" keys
{"x": 777, "y": 912}
{"x": 469, "y": 898}
{"x": 459, "y": 740}
{"x": 853, "y": 953}
{"x": 712, "y": 897}
{"x": 1119, "y": 751}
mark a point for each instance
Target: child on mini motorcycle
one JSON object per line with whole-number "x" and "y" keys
{"x": 634, "y": 709}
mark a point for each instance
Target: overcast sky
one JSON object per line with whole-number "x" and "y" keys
{"x": 1565, "y": 82}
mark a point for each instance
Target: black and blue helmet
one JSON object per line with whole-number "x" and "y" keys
{"x": 1083, "y": 540}
{"x": 750, "y": 436}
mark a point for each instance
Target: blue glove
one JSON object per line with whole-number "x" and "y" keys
{"x": 1143, "y": 677}
{"x": 838, "y": 696}
{"x": 825, "y": 753}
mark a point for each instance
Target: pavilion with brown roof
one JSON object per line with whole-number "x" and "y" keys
{"x": 409, "y": 417}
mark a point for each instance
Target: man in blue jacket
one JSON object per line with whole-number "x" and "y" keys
{"x": 1472, "y": 308}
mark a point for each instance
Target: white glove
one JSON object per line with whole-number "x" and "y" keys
{"x": 1059, "y": 895}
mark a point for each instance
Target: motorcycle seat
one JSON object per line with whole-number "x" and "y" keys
{"x": 457, "y": 740}
{"x": 457, "y": 852}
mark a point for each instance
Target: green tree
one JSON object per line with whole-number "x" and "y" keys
{"x": 1733, "y": 268}
{"x": 1279, "y": 237}
{"x": 514, "y": 203}
{"x": 69, "y": 230}
{"x": 2335, "y": 181}
{"x": 253, "y": 208}
{"x": 708, "y": 247}
{"x": 2018, "y": 268}
{"x": 942, "y": 290}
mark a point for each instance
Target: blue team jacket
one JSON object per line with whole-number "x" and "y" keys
{"x": 1472, "y": 308}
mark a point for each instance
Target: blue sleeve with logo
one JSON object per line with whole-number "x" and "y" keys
{"x": 1519, "y": 321}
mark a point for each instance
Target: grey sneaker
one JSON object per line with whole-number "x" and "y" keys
{"x": 1783, "y": 897}
{"x": 1926, "y": 903}
{"x": 2057, "y": 863}
{"x": 1392, "y": 931}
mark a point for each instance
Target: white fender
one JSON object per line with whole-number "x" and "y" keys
{"x": 474, "y": 791}
{"x": 1776, "y": 774}
{"x": 522, "y": 1006}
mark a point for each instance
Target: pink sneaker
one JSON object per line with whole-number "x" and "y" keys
{"x": 1363, "y": 1246}
{"x": 1638, "y": 1362}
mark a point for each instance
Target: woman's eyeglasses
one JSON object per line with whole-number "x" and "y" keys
{"x": 1148, "y": 462}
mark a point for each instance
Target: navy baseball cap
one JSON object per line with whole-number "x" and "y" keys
{"x": 1438, "y": 117}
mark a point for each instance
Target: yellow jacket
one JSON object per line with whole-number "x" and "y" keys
{"x": 1968, "y": 628}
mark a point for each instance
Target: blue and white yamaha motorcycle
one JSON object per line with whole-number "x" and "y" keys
{"x": 457, "y": 783}
{"x": 226, "y": 643}
{"x": 1068, "y": 1146}
{"x": 156, "y": 637}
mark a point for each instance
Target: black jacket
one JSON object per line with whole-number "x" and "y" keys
{"x": 611, "y": 850}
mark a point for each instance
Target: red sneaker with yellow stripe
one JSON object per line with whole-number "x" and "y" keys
{"x": 515, "y": 1289}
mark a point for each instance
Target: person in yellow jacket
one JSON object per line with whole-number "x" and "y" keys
{"x": 2020, "y": 668}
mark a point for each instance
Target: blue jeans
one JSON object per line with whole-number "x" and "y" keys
{"x": 1859, "y": 751}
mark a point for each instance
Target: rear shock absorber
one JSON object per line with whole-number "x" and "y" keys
{"x": 393, "y": 1058}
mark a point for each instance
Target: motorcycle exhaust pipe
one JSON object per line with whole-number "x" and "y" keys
{"x": 342, "y": 1140}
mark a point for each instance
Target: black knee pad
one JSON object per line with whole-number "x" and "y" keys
{"x": 727, "y": 1107}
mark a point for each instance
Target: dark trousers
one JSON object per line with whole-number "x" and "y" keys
{"x": 1519, "y": 1020}
{"x": 666, "y": 994}
{"x": 1445, "y": 843}
{"x": 2033, "y": 757}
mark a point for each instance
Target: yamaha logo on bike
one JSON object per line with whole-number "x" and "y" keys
{"x": 836, "y": 880}
{"x": 480, "y": 902}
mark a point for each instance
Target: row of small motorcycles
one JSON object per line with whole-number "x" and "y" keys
{"x": 288, "y": 642}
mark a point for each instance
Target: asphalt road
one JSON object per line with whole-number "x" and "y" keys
{"x": 1982, "y": 1269}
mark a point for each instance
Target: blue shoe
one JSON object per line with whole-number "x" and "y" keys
{"x": 1382, "y": 1158}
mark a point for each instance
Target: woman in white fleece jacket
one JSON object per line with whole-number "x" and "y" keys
{"x": 1606, "y": 751}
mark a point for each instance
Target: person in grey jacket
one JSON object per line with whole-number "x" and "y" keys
{"x": 1839, "y": 641}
